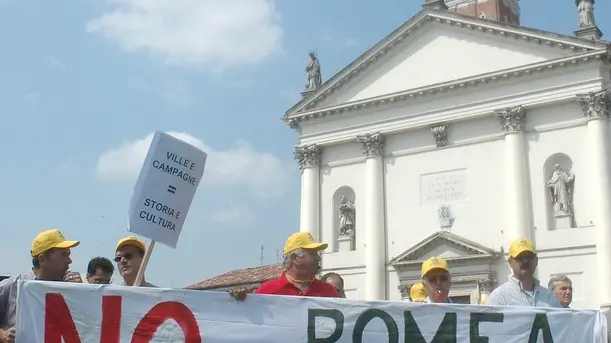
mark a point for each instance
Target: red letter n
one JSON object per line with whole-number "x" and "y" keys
{"x": 58, "y": 321}
{"x": 159, "y": 314}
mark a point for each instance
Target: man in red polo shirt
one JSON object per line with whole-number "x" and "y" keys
{"x": 301, "y": 264}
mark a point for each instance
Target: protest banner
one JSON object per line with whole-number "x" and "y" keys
{"x": 164, "y": 191}
{"x": 50, "y": 312}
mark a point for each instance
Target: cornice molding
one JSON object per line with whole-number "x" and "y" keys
{"x": 487, "y": 80}
{"x": 381, "y": 49}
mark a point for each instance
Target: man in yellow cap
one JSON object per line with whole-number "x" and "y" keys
{"x": 301, "y": 264}
{"x": 522, "y": 288}
{"x": 50, "y": 261}
{"x": 436, "y": 279}
{"x": 128, "y": 256}
{"x": 417, "y": 293}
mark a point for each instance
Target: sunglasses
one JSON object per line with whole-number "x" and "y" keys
{"x": 127, "y": 256}
{"x": 438, "y": 278}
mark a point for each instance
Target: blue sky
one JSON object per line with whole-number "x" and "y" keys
{"x": 83, "y": 83}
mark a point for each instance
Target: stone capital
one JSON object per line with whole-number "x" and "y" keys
{"x": 404, "y": 289}
{"x": 373, "y": 144}
{"x": 595, "y": 104}
{"x": 440, "y": 134}
{"x": 308, "y": 156}
{"x": 486, "y": 286}
{"x": 512, "y": 119}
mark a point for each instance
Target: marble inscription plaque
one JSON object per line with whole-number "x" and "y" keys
{"x": 443, "y": 187}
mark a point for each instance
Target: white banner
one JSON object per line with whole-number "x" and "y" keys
{"x": 51, "y": 311}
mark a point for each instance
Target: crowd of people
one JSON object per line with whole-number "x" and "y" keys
{"x": 51, "y": 261}
{"x": 302, "y": 263}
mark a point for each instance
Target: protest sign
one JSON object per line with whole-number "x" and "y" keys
{"x": 51, "y": 311}
{"x": 165, "y": 189}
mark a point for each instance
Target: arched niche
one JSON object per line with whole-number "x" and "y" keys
{"x": 348, "y": 192}
{"x": 558, "y": 170}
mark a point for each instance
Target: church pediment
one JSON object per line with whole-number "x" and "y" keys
{"x": 449, "y": 246}
{"x": 436, "y": 47}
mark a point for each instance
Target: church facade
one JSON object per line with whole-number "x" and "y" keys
{"x": 405, "y": 155}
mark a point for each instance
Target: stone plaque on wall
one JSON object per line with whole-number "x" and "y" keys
{"x": 443, "y": 187}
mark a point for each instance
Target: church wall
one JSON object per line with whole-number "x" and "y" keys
{"x": 393, "y": 286}
{"x": 342, "y": 166}
{"x": 580, "y": 266}
{"x": 552, "y": 139}
{"x": 478, "y": 53}
{"x": 452, "y": 106}
{"x": 412, "y": 209}
{"x": 354, "y": 279}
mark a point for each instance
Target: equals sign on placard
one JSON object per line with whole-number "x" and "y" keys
{"x": 172, "y": 189}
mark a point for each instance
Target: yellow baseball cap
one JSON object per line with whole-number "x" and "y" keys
{"x": 434, "y": 263}
{"x": 417, "y": 292}
{"x": 50, "y": 239}
{"x": 302, "y": 240}
{"x": 131, "y": 240}
{"x": 519, "y": 246}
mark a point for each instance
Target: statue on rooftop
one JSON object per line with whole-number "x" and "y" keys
{"x": 585, "y": 9}
{"x": 314, "y": 77}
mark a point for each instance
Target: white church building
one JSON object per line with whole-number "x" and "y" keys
{"x": 457, "y": 133}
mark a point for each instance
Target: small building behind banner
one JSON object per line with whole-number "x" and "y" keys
{"x": 249, "y": 278}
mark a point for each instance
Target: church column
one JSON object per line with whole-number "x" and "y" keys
{"x": 517, "y": 201}
{"x": 596, "y": 107}
{"x": 308, "y": 157}
{"x": 375, "y": 226}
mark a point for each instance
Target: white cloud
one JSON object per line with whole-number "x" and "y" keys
{"x": 209, "y": 34}
{"x": 241, "y": 166}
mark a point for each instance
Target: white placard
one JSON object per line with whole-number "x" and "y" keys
{"x": 165, "y": 189}
{"x": 51, "y": 311}
{"x": 443, "y": 187}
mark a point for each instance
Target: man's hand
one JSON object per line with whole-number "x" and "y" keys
{"x": 73, "y": 277}
{"x": 7, "y": 336}
{"x": 239, "y": 294}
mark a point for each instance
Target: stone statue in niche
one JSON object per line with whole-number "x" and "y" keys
{"x": 446, "y": 220}
{"x": 561, "y": 190}
{"x": 585, "y": 9}
{"x": 347, "y": 213}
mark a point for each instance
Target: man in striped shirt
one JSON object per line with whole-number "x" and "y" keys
{"x": 522, "y": 288}
{"x": 50, "y": 261}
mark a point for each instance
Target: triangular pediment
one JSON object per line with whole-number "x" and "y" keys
{"x": 435, "y": 47}
{"x": 446, "y": 245}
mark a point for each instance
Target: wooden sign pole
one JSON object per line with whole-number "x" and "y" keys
{"x": 144, "y": 264}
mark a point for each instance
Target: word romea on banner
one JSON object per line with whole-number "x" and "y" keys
{"x": 53, "y": 312}
{"x": 165, "y": 188}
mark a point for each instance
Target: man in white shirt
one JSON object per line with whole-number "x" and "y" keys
{"x": 522, "y": 288}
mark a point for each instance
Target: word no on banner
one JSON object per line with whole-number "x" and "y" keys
{"x": 57, "y": 312}
{"x": 165, "y": 189}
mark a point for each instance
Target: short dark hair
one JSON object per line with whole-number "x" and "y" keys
{"x": 100, "y": 263}
{"x": 330, "y": 275}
